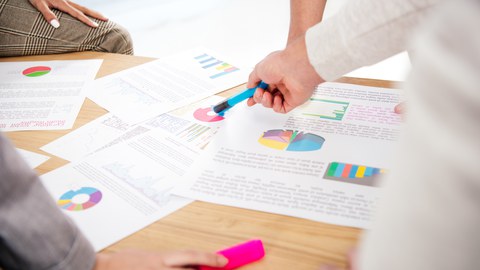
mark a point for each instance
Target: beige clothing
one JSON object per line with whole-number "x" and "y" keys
{"x": 363, "y": 33}
{"x": 429, "y": 214}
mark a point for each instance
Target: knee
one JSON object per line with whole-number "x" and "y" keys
{"x": 116, "y": 39}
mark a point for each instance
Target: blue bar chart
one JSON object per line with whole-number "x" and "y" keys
{"x": 218, "y": 67}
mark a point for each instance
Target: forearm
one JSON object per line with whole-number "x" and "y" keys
{"x": 303, "y": 15}
{"x": 34, "y": 233}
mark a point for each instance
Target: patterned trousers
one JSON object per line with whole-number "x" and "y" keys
{"x": 24, "y": 31}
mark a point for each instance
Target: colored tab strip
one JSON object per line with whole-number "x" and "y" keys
{"x": 368, "y": 171}
{"x": 332, "y": 168}
{"x": 346, "y": 171}
{"x": 223, "y": 66}
{"x": 360, "y": 172}
{"x": 353, "y": 171}
{"x": 339, "y": 170}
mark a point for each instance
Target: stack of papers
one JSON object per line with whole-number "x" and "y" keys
{"x": 323, "y": 161}
{"x": 125, "y": 163}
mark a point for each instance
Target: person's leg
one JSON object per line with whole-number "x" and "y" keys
{"x": 24, "y": 31}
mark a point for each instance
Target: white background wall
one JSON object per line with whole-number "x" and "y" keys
{"x": 241, "y": 30}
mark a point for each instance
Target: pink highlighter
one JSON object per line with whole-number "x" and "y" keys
{"x": 240, "y": 254}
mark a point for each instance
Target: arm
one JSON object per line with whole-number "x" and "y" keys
{"x": 134, "y": 259}
{"x": 75, "y": 10}
{"x": 362, "y": 33}
{"x": 34, "y": 233}
{"x": 303, "y": 15}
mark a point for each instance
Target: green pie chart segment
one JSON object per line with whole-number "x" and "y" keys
{"x": 36, "y": 71}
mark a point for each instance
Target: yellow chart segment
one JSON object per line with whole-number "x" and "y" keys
{"x": 360, "y": 172}
{"x": 273, "y": 144}
{"x": 63, "y": 202}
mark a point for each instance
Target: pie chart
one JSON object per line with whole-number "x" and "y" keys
{"x": 291, "y": 140}
{"x": 207, "y": 115}
{"x": 81, "y": 199}
{"x": 36, "y": 71}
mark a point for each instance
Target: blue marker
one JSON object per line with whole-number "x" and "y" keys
{"x": 223, "y": 106}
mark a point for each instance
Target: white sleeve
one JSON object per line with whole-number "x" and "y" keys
{"x": 429, "y": 214}
{"x": 362, "y": 33}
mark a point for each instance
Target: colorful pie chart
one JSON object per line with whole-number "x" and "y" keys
{"x": 207, "y": 115}
{"x": 291, "y": 140}
{"x": 36, "y": 71}
{"x": 81, "y": 199}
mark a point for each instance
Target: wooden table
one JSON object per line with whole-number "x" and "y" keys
{"x": 290, "y": 243}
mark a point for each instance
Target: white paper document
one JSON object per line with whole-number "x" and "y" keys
{"x": 43, "y": 95}
{"x": 118, "y": 191}
{"x": 154, "y": 88}
{"x": 33, "y": 159}
{"x": 321, "y": 161}
{"x": 194, "y": 125}
{"x": 88, "y": 138}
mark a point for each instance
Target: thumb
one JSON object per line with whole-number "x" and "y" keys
{"x": 253, "y": 79}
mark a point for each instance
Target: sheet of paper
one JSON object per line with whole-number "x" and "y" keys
{"x": 154, "y": 88}
{"x": 43, "y": 95}
{"x": 193, "y": 124}
{"x": 116, "y": 192}
{"x": 321, "y": 162}
{"x": 33, "y": 159}
{"x": 88, "y": 138}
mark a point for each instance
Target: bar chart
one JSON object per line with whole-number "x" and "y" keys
{"x": 325, "y": 109}
{"x": 354, "y": 174}
{"x": 217, "y": 67}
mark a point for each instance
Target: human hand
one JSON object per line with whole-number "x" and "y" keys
{"x": 75, "y": 10}
{"x": 352, "y": 263}
{"x": 400, "y": 108}
{"x": 135, "y": 259}
{"x": 290, "y": 76}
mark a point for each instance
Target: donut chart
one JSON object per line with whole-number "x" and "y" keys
{"x": 291, "y": 140}
{"x": 36, "y": 71}
{"x": 69, "y": 200}
{"x": 207, "y": 115}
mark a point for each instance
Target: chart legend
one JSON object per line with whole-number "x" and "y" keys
{"x": 36, "y": 71}
{"x": 325, "y": 109}
{"x": 216, "y": 66}
{"x": 354, "y": 174}
{"x": 207, "y": 115}
{"x": 79, "y": 200}
{"x": 291, "y": 140}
